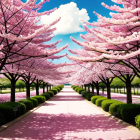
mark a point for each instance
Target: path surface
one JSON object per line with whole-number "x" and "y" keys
{"x": 68, "y": 117}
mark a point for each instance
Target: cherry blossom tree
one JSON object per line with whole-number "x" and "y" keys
{"x": 21, "y": 36}
{"x": 115, "y": 40}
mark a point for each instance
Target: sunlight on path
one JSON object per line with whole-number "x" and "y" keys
{"x": 68, "y": 117}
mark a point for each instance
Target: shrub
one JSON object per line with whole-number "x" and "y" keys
{"x": 55, "y": 91}
{"x": 107, "y": 103}
{"x": 98, "y": 102}
{"x": 46, "y": 95}
{"x": 41, "y": 99}
{"x": 128, "y": 112}
{"x": 34, "y": 101}
{"x": 28, "y": 103}
{"x": 84, "y": 93}
{"x": 80, "y": 91}
{"x": 51, "y": 93}
{"x": 88, "y": 96}
{"x": 2, "y": 119}
{"x": 113, "y": 108}
{"x": 94, "y": 98}
{"x": 8, "y": 112}
{"x": 137, "y": 121}
{"x": 18, "y": 107}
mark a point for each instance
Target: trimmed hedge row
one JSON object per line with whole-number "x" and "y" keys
{"x": 126, "y": 112}
{"x": 11, "y": 110}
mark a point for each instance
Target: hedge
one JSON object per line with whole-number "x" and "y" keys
{"x": 94, "y": 98}
{"x": 114, "y": 107}
{"x": 34, "y": 101}
{"x": 99, "y": 101}
{"x": 88, "y": 96}
{"x": 137, "y": 121}
{"x": 2, "y": 119}
{"x": 51, "y": 93}
{"x": 8, "y": 112}
{"x": 28, "y": 103}
{"x": 41, "y": 99}
{"x": 46, "y": 95}
{"x": 128, "y": 112}
{"x": 107, "y": 103}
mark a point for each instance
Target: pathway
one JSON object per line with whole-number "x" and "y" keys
{"x": 68, "y": 117}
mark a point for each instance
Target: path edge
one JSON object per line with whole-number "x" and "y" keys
{"x": 129, "y": 126}
{"x": 5, "y": 126}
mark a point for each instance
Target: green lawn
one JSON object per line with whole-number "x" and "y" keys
{"x": 4, "y": 91}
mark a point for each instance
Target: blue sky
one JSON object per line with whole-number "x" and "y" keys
{"x": 71, "y": 11}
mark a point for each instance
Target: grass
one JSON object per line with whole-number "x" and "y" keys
{"x": 121, "y": 91}
{"x": 5, "y": 91}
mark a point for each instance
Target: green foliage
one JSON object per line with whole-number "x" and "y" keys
{"x": 94, "y": 98}
{"x": 18, "y": 107}
{"x": 114, "y": 107}
{"x": 51, "y": 93}
{"x": 84, "y": 93}
{"x": 137, "y": 121}
{"x": 88, "y": 96}
{"x": 41, "y": 99}
{"x": 107, "y": 103}
{"x": 128, "y": 112}
{"x": 55, "y": 91}
{"x": 20, "y": 84}
{"x": 99, "y": 101}
{"x": 34, "y": 101}
{"x": 8, "y": 112}
{"x": 2, "y": 119}
{"x": 46, "y": 95}
{"x": 136, "y": 81}
{"x": 117, "y": 83}
{"x": 28, "y": 103}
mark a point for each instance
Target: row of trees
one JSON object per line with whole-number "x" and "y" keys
{"x": 111, "y": 48}
{"x": 23, "y": 53}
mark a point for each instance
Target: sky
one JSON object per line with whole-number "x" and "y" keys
{"x": 71, "y": 11}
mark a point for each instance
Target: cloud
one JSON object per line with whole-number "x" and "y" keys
{"x": 70, "y": 18}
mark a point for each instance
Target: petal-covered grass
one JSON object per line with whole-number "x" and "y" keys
{"x": 19, "y": 96}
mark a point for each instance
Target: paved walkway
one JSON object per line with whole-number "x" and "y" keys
{"x": 68, "y": 117}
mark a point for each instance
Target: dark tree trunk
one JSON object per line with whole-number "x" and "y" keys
{"x": 134, "y": 90}
{"x": 97, "y": 88}
{"x": 43, "y": 87}
{"x": 85, "y": 87}
{"x": 117, "y": 90}
{"x": 27, "y": 90}
{"x": 13, "y": 84}
{"x": 89, "y": 87}
{"x": 92, "y": 88}
{"x": 37, "y": 87}
{"x": 108, "y": 89}
{"x": 47, "y": 88}
{"x": 128, "y": 90}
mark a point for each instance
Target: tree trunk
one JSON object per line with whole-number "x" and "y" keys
{"x": 134, "y": 90}
{"x": 27, "y": 90}
{"x": 92, "y": 88}
{"x": 85, "y": 87}
{"x": 128, "y": 90}
{"x": 13, "y": 84}
{"x": 37, "y": 87}
{"x": 97, "y": 88}
{"x": 108, "y": 89}
{"x": 89, "y": 87}
{"x": 117, "y": 90}
{"x": 43, "y": 87}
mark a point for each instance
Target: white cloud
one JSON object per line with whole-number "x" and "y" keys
{"x": 70, "y": 18}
